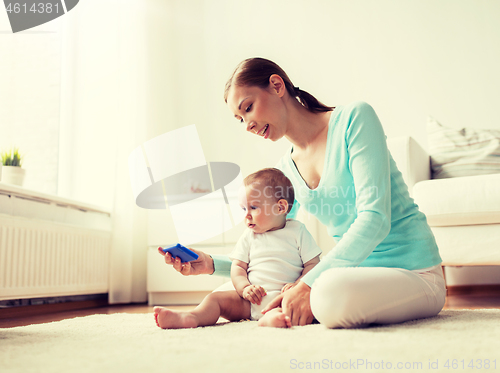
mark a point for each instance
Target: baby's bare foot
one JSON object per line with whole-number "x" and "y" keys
{"x": 167, "y": 319}
{"x": 276, "y": 319}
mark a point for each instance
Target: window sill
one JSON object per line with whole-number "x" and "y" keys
{"x": 21, "y": 202}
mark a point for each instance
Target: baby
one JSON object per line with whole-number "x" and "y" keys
{"x": 270, "y": 257}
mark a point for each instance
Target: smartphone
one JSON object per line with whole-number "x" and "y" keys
{"x": 180, "y": 251}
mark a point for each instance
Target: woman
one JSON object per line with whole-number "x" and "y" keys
{"x": 385, "y": 266}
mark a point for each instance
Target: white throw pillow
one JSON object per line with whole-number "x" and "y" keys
{"x": 462, "y": 152}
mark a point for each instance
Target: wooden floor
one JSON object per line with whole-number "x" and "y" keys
{"x": 463, "y": 299}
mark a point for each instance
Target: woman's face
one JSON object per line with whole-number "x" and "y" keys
{"x": 260, "y": 110}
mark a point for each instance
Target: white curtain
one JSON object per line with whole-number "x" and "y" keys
{"x": 103, "y": 115}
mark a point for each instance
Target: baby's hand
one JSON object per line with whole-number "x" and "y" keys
{"x": 287, "y": 287}
{"x": 254, "y": 293}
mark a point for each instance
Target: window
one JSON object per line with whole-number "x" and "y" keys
{"x": 30, "y": 75}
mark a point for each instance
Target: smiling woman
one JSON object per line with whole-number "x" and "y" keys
{"x": 247, "y": 93}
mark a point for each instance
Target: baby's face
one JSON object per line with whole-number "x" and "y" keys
{"x": 262, "y": 211}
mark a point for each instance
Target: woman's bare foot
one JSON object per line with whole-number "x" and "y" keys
{"x": 167, "y": 319}
{"x": 276, "y": 319}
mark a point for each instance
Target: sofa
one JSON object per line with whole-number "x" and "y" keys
{"x": 463, "y": 212}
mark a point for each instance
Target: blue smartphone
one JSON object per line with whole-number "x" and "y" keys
{"x": 179, "y": 251}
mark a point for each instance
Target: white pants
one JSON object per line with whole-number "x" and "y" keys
{"x": 359, "y": 296}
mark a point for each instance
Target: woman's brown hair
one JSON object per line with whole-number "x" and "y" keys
{"x": 255, "y": 72}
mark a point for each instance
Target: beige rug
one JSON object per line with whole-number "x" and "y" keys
{"x": 133, "y": 343}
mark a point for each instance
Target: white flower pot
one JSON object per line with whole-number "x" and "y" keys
{"x": 13, "y": 175}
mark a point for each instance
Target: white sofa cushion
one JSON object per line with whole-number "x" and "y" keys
{"x": 466, "y": 200}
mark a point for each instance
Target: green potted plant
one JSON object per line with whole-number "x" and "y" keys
{"x": 11, "y": 172}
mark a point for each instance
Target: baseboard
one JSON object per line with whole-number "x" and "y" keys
{"x": 27, "y": 311}
{"x": 483, "y": 290}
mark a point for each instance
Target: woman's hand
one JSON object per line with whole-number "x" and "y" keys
{"x": 287, "y": 287}
{"x": 254, "y": 294}
{"x": 204, "y": 265}
{"x": 295, "y": 304}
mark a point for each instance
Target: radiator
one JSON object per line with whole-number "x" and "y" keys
{"x": 41, "y": 258}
